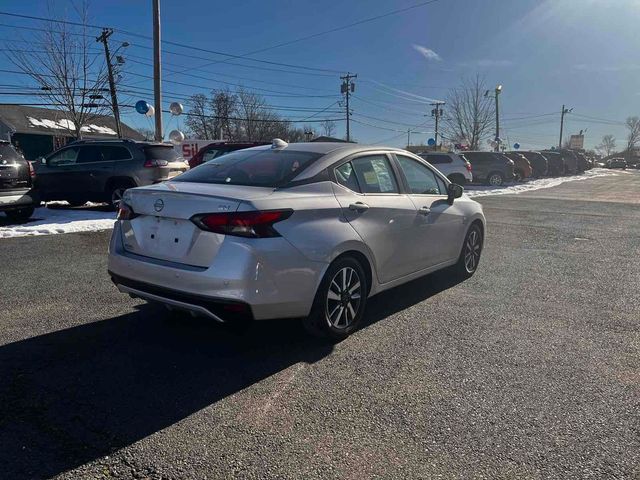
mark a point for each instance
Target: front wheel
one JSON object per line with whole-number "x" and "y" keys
{"x": 20, "y": 215}
{"x": 115, "y": 196}
{"x": 340, "y": 300}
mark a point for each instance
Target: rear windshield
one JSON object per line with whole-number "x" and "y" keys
{"x": 158, "y": 152}
{"x": 7, "y": 153}
{"x": 264, "y": 168}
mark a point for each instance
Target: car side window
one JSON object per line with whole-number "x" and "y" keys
{"x": 374, "y": 174}
{"x": 346, "y": 176}
{"x": 111, "y": 153}
{"x": 210, "y": 154}
{"x": 89, "y": 154}
{"x": 422, "y": 181}
{"x": 68, "y": 156}
{"x": 437, "y": 159}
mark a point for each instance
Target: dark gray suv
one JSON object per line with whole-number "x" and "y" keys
{"x": 17, "y": 198}
{"x": 490, "y": 167}
{"x": 100, "y": 171}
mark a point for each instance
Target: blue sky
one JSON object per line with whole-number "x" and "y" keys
{"x": 545, "y": 53}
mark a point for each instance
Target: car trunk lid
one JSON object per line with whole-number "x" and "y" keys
{"x": 161, "y": 226}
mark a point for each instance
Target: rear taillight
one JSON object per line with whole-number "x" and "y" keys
{"x": 258, "y": 224}
{"x": 32, "y": 172}
{"x": 155, "y": 163}
{"x": 468, "y": 165}
{"x": 125, "y": 212}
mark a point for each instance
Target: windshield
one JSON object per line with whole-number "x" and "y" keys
{"x": 264, "y": 168}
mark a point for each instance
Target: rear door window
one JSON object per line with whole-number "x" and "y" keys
{"x": 112, "y": 153}
{"x": 346, "y": 176}
{"x": 374, "y": 174}
{"x": 89, "y": 154}
{"x": 266, "y": 168}
{"x": 437, "y": 159}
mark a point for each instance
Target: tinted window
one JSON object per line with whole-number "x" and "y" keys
{"x": 8, "y": 153}
{"x": 89, "y": 154}
{"x": 68, "y": 156}
{"x": 346, "y": 176}
{"x": 158, "y": 152}
{"x": 213, "y": 153}
{"x": 374, "y": 174}
{"x": 420, "y": 178}
{"x": 115, "y": 153}
{"x": 437, "y": 159}
{"x": 268, "y": 168}
{"x": 480, "y": 157}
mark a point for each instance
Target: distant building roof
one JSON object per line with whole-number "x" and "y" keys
{"x": 322, "y": 138}
{"x": 47, "y": 121}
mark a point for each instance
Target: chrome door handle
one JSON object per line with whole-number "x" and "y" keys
{"x": 424, "y": 211}
{"x": 359, "y": 206}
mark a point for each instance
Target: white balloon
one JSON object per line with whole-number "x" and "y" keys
{"x": 151, "y": 112}
{"x": 176, "y": 108}
{"x": 176, "y": 137}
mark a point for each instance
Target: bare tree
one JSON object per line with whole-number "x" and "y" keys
{"x": 147, "y": 133}
{"x": 224, "y": 106}
{"x": 470, "y": 113}
{"x": 633, "y": 125}
{"x": 70, "y": 75}
{"x": 608, "y": 145}
{"x": 199, "y": 121}
{"x": 328, "y": 128}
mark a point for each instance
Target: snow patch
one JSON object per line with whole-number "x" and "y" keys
{"x": 51, "y": 221}
{"x": 481, "y": 191}
{"x": 66, "y": 124}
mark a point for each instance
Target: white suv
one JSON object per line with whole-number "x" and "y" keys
{"x": 453, "y": 166}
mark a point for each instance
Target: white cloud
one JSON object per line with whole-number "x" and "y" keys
{"x": 427, "y": 53}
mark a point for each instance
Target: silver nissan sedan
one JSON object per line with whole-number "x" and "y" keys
{"x": 304, "y": 230}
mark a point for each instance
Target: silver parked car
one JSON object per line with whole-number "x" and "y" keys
{"x": 452, "y": 165}
{"x": 307, "y": 230}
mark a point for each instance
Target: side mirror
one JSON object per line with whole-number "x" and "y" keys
{"x": 453, "y": 191}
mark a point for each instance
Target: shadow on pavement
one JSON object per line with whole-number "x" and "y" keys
{"x": 75, "y": 395}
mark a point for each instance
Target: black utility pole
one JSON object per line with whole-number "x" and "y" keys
{"x": 437, "y": 113}
{"x": 157, "y": 70}
{"x": 104, "y": 38}
{"x": 498, "y": 141}
{"x": 347, "y": 88}
{"x": 564, "y": 112}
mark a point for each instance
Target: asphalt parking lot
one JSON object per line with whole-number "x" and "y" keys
{"x": 531, "y": 369}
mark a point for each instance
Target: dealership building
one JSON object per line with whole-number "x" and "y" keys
{"x": 38, "y": 131}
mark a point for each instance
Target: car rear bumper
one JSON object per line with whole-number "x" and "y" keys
{"x": 12, "y": 199}
{"x": 273, "y": 279}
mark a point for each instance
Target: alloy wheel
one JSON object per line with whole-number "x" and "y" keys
{"x": 472, "y": 250}
{"x": 116, "y": 196}
{"x": 343, "y": 298}
{"x": 495, "y": 180}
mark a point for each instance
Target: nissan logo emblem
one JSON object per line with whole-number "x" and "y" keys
{"x": 158, "y": 205}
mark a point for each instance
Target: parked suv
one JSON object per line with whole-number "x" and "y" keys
{"x": 216, "y": 149}
{"x": 556, "y": 162}
{"x": 453, "y": 166}
{"x": 617, "y": 163}
{"x": 522, "y": 167}
{"x": 570, "y": 162}
{"x": 539, "y": 164}
{"x": 490, "y": 167}
{"x": 17, "y": 199}
{"x": 101, "y": 170}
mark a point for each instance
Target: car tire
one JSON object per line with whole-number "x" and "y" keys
{"x": 340, "y": 301}
{"x": 115, "y": 194}
{"x": 518, "y": 175}
{"x": 495, "y": 179}
{"x": 20, "y": 215}
{"x": 470, "y": 254}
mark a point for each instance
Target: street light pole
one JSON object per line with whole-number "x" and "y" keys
{"x": 157, "y": 71}
{"x": 564, "y": 112}
{"x": 498, "y": 91}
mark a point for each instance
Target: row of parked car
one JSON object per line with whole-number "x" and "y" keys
{"x": 496, "y": 168}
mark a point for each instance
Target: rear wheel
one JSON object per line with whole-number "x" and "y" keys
{"x": 495, "y": 179}
{"x": 340, "y": 300}
{"x": 20, "y": 214}
{"x": 470, "y": 254}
